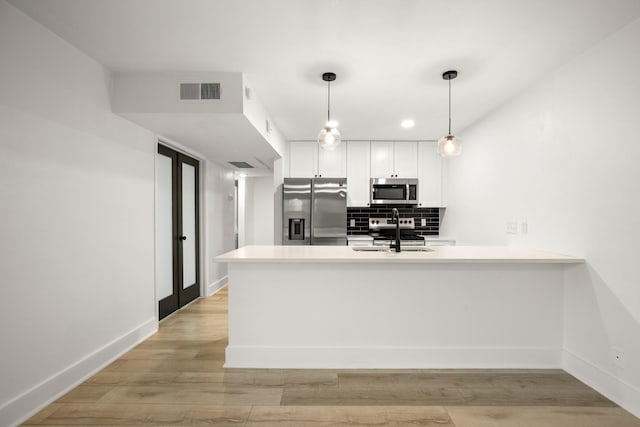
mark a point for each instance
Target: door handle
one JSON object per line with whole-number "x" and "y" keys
{"x": 182, "y": 238}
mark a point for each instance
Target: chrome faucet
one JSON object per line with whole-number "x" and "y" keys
{"x": 395, "y": 215}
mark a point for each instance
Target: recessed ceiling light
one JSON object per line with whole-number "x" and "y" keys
{"x": 407, "y": 123}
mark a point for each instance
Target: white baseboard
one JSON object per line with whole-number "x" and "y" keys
{"x": 30, "y": 402}
{"x": 214, "y": 287}
{"x": 616, "y": 389}
{"x": 392, "y": 357}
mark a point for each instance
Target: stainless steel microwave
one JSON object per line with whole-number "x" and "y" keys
{"x": 394, "y": 191}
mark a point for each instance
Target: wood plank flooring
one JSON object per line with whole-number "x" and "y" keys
{"x": 175, "y": 378}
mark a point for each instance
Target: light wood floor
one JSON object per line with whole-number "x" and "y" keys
{"x": 175, "y": 378}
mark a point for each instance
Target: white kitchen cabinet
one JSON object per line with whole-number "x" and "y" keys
{"x": 358, "y": 173}
{"x": 430, "y": 175}
{"x": 333, "y": 164}
{"x": 394, "y": 159}
{"x": 405, "y": 159}
{"x": 381, "y": 159}
{"x": 303, "y": 159}
{"x": 308, "y": 160}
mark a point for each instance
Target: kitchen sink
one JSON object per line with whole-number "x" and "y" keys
{"x": 387, "y": 249}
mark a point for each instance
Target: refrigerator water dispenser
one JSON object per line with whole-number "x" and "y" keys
{"x": 296, "y": 228}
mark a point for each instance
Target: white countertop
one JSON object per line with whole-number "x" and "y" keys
{"x": 440, "y": 254}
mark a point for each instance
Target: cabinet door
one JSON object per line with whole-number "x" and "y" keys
{"x": 333, "y": 164}
{"x": 430, "y": 175}
{"x": 405, "y": 158}
{"x": 358, "y": 173}
{"x": 382, "y": 159}
{"x": 303, "y": 159}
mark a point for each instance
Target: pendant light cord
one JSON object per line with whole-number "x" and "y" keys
{"x": 328, "y": 101}
{"x": 449, "y": 106}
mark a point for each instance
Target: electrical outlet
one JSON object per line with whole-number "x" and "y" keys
{"x": 423, "y": 222}
{"x": 512, "y": 227}
{"x": 524, "y": 227}
{"x": 352, "y": 223}
{"x": 618, "y": 356}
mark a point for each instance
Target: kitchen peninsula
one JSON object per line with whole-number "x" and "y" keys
{"x": 451, "y": 307}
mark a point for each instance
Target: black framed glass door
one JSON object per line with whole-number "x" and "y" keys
{"x": 177, "y": 222}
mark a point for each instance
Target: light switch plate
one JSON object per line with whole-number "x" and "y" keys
{"x": 423, "y": 222}
{"x": 352, "y": 223}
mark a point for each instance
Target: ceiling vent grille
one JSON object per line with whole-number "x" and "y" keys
{"x": 199, "y": 91}
{"x": 241, "y": 165}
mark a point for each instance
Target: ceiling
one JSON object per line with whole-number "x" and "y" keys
{"x": 388, "y": 54}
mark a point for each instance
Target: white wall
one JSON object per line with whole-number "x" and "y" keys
{"x": 564, "y": 157}
{"x": 76, "y": 219}
{"x": 220, "y": 233}
{"x": 259, "y": 210}
{"x": 159, "y": 92}
{"x": 258, "y": 116}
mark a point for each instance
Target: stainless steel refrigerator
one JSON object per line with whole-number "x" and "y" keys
{"x": 314, "y": 211}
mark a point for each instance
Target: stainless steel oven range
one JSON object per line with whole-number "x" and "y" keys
{"x": 383, "y": 232}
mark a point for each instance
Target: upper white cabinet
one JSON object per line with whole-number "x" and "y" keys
{"x": 333, "y": 164}
{"x": 405, "y": 159}
{"x": 394, "y": 159}
{"x": 382, "y": 159}
{"x": 303, "y": 159}
{"x": 358, "y": 173}
{"x": 308, "y": 160}
{"x": 430, "y": 175}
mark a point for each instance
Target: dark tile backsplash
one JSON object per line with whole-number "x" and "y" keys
{"x": 361, "y": 216}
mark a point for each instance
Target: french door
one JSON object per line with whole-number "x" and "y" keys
{"x": 177, "y": 241}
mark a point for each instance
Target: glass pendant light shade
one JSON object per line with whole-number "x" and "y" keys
{"x": 329, "y": 138}
{"x": 449, "y": 146}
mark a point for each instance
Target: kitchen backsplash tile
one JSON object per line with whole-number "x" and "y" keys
{"x": 361, "y": 218}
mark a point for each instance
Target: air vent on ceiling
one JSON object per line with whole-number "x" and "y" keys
{"x": 199, "y": 90}
{"x": 241, "y": 165}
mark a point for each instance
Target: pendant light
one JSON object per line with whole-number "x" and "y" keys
{"x": 449, "y": 145}
{"x": 329, "y": 137}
